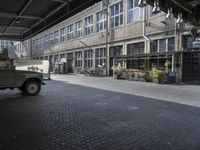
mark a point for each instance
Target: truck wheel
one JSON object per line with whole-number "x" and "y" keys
{"x": 32, "y": 87}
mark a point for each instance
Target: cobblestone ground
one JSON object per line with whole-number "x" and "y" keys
{"x": 66, "y": 116}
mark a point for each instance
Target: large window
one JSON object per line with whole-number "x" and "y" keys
{"x": 88, "y": 59}
{"x": 162, "y": 45}
{"x": 116, "y": 18}
{"x": 101, "y": 21}
{"x": 100, "y": 56}
{"x": 51, "y": 39}
{"x": 171, "y": 42}
{"x": 78, "y": 29}
{"x": 56, "y": 37}
{"x": 135, "y": 64}
{"x": 154, "y": 46}
{"x": 41, "y": 42}
{"x": 70, "y": 32}
{"x": 62, "y": 35}
{"x": 46, "y": 39}
{"x": 135, "y": 13}
{"x": 78, "y": 59}
{"x": 88, "y": 25}
{"x": 135, "y": 48}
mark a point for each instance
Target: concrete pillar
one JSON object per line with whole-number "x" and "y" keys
{"x": 93, "y": 58}
{"x": 173, "y": 62}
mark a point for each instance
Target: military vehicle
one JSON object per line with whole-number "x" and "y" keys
{"x": 29, "y": 82}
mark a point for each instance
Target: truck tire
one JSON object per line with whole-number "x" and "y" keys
{"x": 32, "y": 87}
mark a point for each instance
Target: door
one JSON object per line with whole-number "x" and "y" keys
{"x": 70, "y": 68}
{"x": 70, "y": 63}
{"x": 111, "y": 65}
{"x": 7, "y": 78}
{"x": 191, "y": 67}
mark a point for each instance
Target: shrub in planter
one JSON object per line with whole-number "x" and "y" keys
{"x": 117, "y": 71}
{"x": 157, "y": 75}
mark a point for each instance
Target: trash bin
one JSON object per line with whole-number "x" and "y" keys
{"x": 172, "y": 77}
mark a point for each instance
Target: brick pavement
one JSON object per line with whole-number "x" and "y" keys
{"x": 72, "y": 117}
{"x": 183, "y": 94}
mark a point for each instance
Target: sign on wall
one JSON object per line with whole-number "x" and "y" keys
{"x": 193, "y": 42}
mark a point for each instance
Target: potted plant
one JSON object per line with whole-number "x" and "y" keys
{"x": 117, "y": 71}
{"x": 157, "y": 75}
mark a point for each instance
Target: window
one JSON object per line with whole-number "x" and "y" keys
{"x": 78, "y": 59}
{"x": 101, "y": 21}
{"x": 78, "y": 29}
{"x": 46, "y": 57}
{"x": 116, "y": 50}
{"x": 34, "y": 45}
{"x": 171, "y": 42}
{"x": 41, "y": 42}
{"x": 116, "y": 18}
{"x": 135, "y": 48}
{"x": 46, "y": 39}
{"x": 88, "y": 59}
{"x": 56, "y": 37}
{"x": 62, "y": 35}
{"x": 51, "y": 39}
{"x": 88, "y": 25}
{"x": 70, "y": 32}
{"x": 37, "y": 43}
{"x": 135, "y": 13}
{"x": 100, "y": 56}
{"x": 154, "y": 46}
{"x": 162, "y": 45}
{"x": 62, "y": 55}
{"x": 135, "y": 64}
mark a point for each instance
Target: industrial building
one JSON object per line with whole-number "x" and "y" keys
{"x": 118, "y": 32}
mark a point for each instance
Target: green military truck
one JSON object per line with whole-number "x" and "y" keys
{"x": 28, "y": 82}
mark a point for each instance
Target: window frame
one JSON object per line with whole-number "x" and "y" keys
{"x": 78, "y": 29}
{"x": 89, "y": 25}
{"x": 120, "y": 14}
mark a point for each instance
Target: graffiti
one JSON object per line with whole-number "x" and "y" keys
{"x": 33, "y": 68}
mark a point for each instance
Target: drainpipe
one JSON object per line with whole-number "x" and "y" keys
{"x": 147, "y": 40}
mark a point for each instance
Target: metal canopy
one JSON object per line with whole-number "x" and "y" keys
{"x": 189, "y": 8}
{"x": 22, "y": 19}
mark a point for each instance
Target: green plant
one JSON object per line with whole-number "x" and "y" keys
{"x": 156, "y": 73}
{"x": 167, "y": 66}
{"x": 132, "y": 74}
{"x": 118, "y": 69}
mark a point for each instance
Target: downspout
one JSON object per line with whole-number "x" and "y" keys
{"x": 147, "y": 40}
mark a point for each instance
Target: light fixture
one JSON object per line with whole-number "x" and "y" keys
{"x": 169, "y": 14}
{"x": 156, "y": 8}
{"x": 142, "y": 3}
{"x": 180, "y": 18}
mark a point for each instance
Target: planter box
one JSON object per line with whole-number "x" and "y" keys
{"x": 116, "y": 76}
{"x": 156, "y": 80}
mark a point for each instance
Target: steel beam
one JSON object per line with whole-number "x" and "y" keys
{"x": 183, "y": 5}
{"x": 61, "y": 1}
{"x": 26, "y": 4}
{"x": 12, "y": 15}
{"x": 14, "y": 27}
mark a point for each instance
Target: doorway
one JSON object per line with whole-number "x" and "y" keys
{"x": 191, "y": 67}
{"x": 70, "y": 63}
